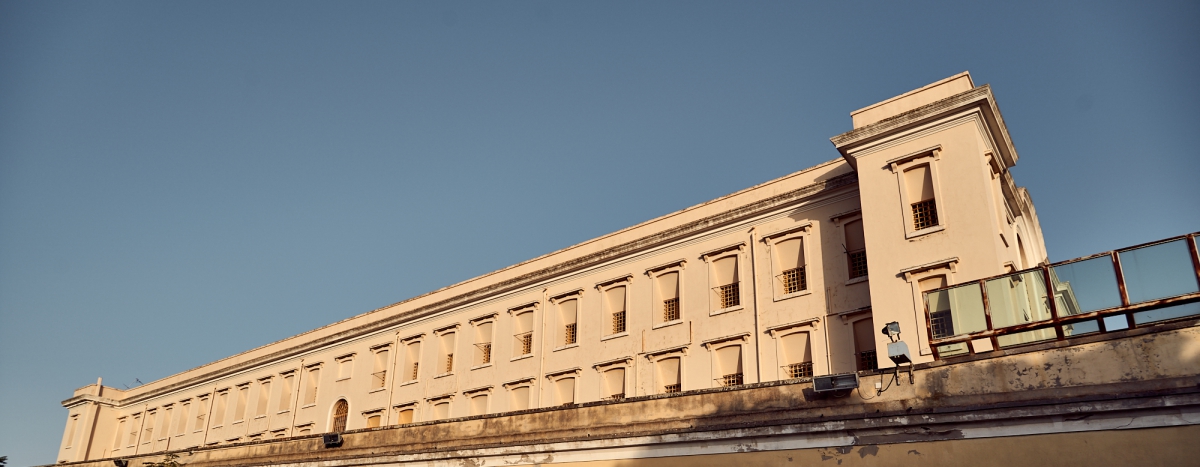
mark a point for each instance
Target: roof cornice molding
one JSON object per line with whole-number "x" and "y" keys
{"x": 980, "y": 97}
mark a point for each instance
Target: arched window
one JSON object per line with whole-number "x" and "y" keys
{"x": 340, "y": 411}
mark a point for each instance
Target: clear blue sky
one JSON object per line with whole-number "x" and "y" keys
{"x": 182, "y": 181}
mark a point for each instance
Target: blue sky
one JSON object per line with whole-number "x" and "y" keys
{"x": 182, "y": 181}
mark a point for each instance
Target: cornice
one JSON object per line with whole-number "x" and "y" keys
{"x": 644, "y": 243}
{"x": 980, "y": 96}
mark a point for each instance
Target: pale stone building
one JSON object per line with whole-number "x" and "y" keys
{"x": 735, "y": 303}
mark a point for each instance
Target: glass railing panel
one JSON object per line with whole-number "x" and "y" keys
{"x": 1171, "y": 312}
{"x": 956, "y": 311}
{"x": 1026, "y": 337}
{"x": 1080, "y": 328}
{"x": 1085, "y": 286}
{"x": 1017, "y": 299}
{"x": 1115, "y": 323}
{"x": 1158, "y": 271}
{"x": 950, "y": 350}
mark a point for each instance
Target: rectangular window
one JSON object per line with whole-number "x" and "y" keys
{"x": 201, "y": 413}
{"x": 412, "y": 361}
{"x": 523, "y": 336}
{"x": 379, "y": 371}
{"x": 181, "y": 420}
{"x": 71, "y": 425}
{"x": 729, "y": 365}
{"x": 668, "y": 375}
{"x": 864, "y": 344}
{"x": 264, "y": 398}
{"x": 940, "y": 321}
{"x": 441, "y": 410}
{"x": 483, "y": 343}
{"x": 789, "y": 257}
{"x": 148, "y": 430}
{"x": 446, "y": 347}
{"x": 614, "y": 303}
{"x": 666, "y": 291}
{"x": 120, "y": 432}
{"x": 166, "y": 429}
{"x": 797, "y": 355}
{"x": 133, "y": 429}
{"x": 219, "y": 410}
{"x": 614, "y": 383}
{"x": 374, "y": 420}
{"x": 285, "y": 391}
{"x": 918, "y": 182}
{"x": 564, "y": 391}
{"x": 479, "y": 404}
{"x": 239, "y": 411}
{"x": 311, "y": 383}
{"x": 568, "y": 313}
{"x": 345, "y": 366}
{"x": 725, "y": 282}
{"x": 856, "y": 249}
{"x": 404, "y": 415}
{"x": 519, "y": 398}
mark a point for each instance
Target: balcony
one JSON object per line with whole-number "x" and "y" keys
{"x": 1113, "y": 291}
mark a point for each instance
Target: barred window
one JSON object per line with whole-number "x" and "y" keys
{"x": 667, "y": 370}
{"x": 446, "y": 343}
{"x": 797, "y": 354}
{"x": 568, "y": 314}
{"x": 483, "y": 343}
{"x": 794, "y": 280}
{"x": 725, "y": 282}
{"x": 729, "y": 365}
{"x": 523, "y": 335}
{"x": 614, "y": 305}
{"x": 412, "y": 360}
{"x": 924, "y": 214}
{"x": 864, "y": 344}
{"x": 666, "y": 293}
{"x": 856, "y": 249}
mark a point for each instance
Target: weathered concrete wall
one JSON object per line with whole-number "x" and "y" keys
{"x": 1144, "y": 379}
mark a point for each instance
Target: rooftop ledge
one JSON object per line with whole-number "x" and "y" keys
{"x": 1149, "y": 370}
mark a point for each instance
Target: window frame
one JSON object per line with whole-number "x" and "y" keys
{"x": 711, "y": 257}
{"x": 512, "y": 386}
{"x": 809, "y": 327}
{"x": 554, "y": 378}
{"x": 677, "y": 352}
{"x": 623, "y": 363}
{"x": 418, "y": 339}
{"x": 560, "y": 325}
{"x": 928, "y": 156}
{"x": 606, "y": 317}
{"x": 475, "y": 324}
{"x": 316, "y": 385}
{"x": 348, "y": 361}
{"x": 714, "y": 345}
{"x": 772, "y": 240}
{"x": 514, "y": 314}
{"x": 446, "y": 359}
{"x": 471, "y": 394}
{"x": 656, "y": 303}
{"x": 387, "y": 366}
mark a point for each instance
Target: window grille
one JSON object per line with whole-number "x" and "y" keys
{"x": 569, "y": 334}
{"x": 416, "y": 367}
{"x": 525, "y": 342}
{"x": 799, "y": 370}
{"x": 942, "y": 324}
{"x": 731, "y": 380}
{"x": 671, "y": 309}
{"x": 924, "y": 214}
{"x": 378, "y": 379}
{"x": 449, "y": 363}
{"x": 858, "y": 263}
{"x": 794, "y": 280}
{"x": 671, "y": 388}
{"x": 727, "y": 295}
{"x": 866, "y": 360}
{"x": 618, "y": 322}
{"x": 341, "y": 410}
{"x": 617, "y": 396}
{"x": 485, "y": 352}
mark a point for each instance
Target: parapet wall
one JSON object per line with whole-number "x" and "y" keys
{"x": 1144, "y": 378}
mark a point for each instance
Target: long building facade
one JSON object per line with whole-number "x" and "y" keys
{"x": 736, "y": 303}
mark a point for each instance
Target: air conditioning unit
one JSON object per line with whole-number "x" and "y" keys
{"x": 839, "y": 382}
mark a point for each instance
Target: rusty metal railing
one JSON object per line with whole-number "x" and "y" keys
{"x": 1111, "y": 291}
